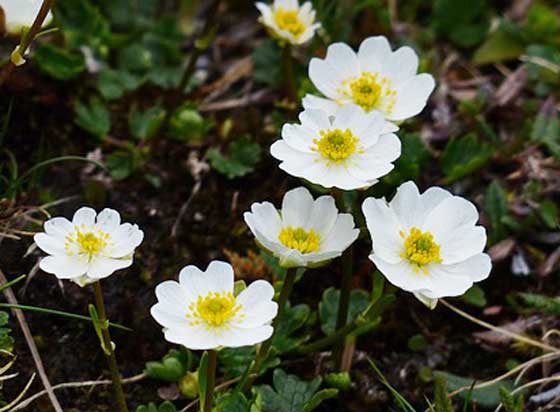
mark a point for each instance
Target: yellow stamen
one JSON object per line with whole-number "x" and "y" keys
{"x": 370, "y": 92}
{"x": 420, "y": 249}
{"x": 336, "y": 145}
{"x": 289, "y": 21}
{"x": 300, "y": 239}
{"x": 90, "y": 244}
{"x": 214, "y": 310}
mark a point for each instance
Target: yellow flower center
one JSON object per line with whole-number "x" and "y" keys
{"x": 300, "y": 239}
{"x": 214, "y": 310}
{"x": 89, "y": 244}
{"x": 420, "y": 249}
{"x": 336, "y": 145}
{"x": 370, "y": 92}
{"x": 289, "y": 21}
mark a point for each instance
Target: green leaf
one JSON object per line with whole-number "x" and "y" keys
{"x": 172, "y": 367}
{"x": 145, "y": 124}
{"x": 319, "y": 397}
{"x": 496, "y": 209}
{"x": 546, "y": 130}
{"x": 487, "y": 397}
{"x": 460, "y": 20}
{"x": 93, "y": 117}
{"x": 328, "y": 307}
{"x": 233, "y": 361}
{"x": 542, "y": 302}
{"x": 113, "y": 84}
{"x": 232, "y": 402}
{"x": 186, "y": 124}
{"x": 417, "y": 343}
{"x": 241, "y": 159}
{"x": 59, "y": 63}
{"x": 294, "y": 318}
{"x": 441, "y": 397}
{"x": 290, "y": 394}
{"x": 414, "y": 157}
{"x": 549, "y": 213}
{"x": 81, "y": 23}
{"x": 500, "y": 45}
{"x": 121, "y": 164}
{"x": 166, "y": 406}
{"x": 475, "y": 296}
{"x": 464, "y": 155}
{"x": 267, "y": 58}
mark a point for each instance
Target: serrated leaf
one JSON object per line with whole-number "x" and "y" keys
{"x": 93, "y": 117}
{"x": 241, "y": 159}
{"x": 496, "y": 209}
{"x": 290, "y": 394}
{"x": 59, "y": 63}
{"x": 463, "y": 156}
{"x": 145, "y": 124}
{"x": 268, "y": 63}
{"x": 293, "y": 319}
{"x": 113, "y": 84}
{"x": 542, "y": 302}
{"x": 475, "y": 296}
{"x": 232, "y": 402}
{"x": 328, "y": 307}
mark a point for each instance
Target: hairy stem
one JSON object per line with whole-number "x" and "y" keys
{"x": 210, "y": 380}
{"x": 111, "y": 358}
{"x": 288, "y": 69}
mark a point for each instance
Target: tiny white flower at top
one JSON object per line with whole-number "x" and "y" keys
{"x": 287, "y": 21}
{"x": 427, "y": 244}
{"x": 20, "y": 14}
{"x": 375, "y": 78}
{"x": 347, "y": 151}
{"x": 88, "y": 248}
{"x": 306, "y": 232}
{"x": 201, "y": 311}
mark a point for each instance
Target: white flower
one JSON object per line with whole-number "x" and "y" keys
{"x": 287, "y": 21}
{"x": 89, "y": 248}
{"x": 428, "y": 243}
{"x": 201, "y": 312}
{"x": 20, "y": 14}
{"x": 375, "y": 78}
{"x": 347, "y": 151}
{"x": 305, "y": 232}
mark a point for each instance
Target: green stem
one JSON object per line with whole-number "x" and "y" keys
{"x": 210, "y": 380}
{"x": 288, "y": 68}
{"x": 264, "y": 350}
{"x": 28, "y": 38}
{"x": 344, "y": 303}
{"x": 111, "y": 358}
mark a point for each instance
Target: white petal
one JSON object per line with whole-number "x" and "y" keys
{"x": 342, "y": 235}
{"x": 299, "y": 137}
{"x": 367, "y": 126}
{"x": 296, "y": 207}
{"x": 64, "y": 267}
{"x": 315, "y": 120}
{"x": 102, "y": 267}
{"x": 84, "y": 216}
{"x": 193, "y": 337}
{"x": 328, "y": 176}
{"x": 402, "y": 275}
{"x": 265, "y": 219}
{"x": 172, "y": 295}
{"x": 20, "y": 14}
{"x": 462, "y": 243}
{"x": 50, "y": 244}
{"x": 219, "y": 276}
{"x": 322, "y": 216}
{"x": 58, "y": 227}
{"x": 126, "y": 238}
{"x": 257, "y": 306}
{"x": 169, "y": 316}
{"x": 402, "y": 65}
{"x": 373, "y": 53}
{"x": 108, "y": 220}
{"x": 426, "y": 300}
{"x": 319, "y": 103}
{"x": 450, "y": 214}
{"x": 235, "y": 337}
{"x": 286, "y": 4}
{"x": 384, "y": 228}
{"x": 294, "y": 160}
{"x": 192, "y": 279}
{"x": 412, "y": 96}
{"x": 375, "y": 162}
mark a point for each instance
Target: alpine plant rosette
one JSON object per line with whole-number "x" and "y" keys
{"x": 306, "y": 232}
{"x": 347, "y": 151}
{"x": 427, "y": 244}
{"x": 20, "y": 14}
{"x": 88, "y": 248}
{"x": 288, "y": 22}
{"x": 375, "y": 78}
{"x": 202, "y": 312}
